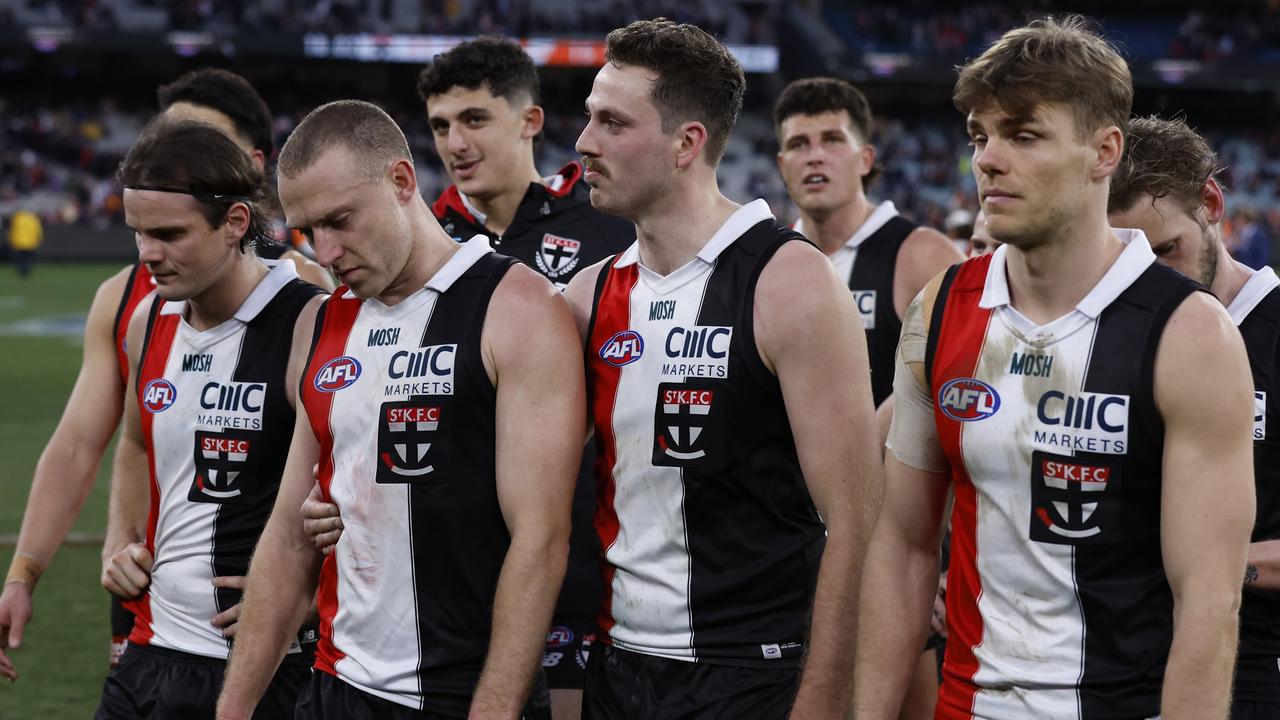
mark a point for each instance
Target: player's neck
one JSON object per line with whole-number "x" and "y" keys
{"x": 1047, "y": 280}
{"x": 430, "y": 249}
{"x": 676, "y": 227}
{"x": 220, "y": 301}
{"x": 500, "y": 209}
{"x": 1230, "y": 276}
{"x": 832, "y": 230}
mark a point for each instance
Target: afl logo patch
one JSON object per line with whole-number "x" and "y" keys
{"x": 623, "y": 348}
{"x": 967, "y": 400}
{"x": 159, "y": 395}
{"x": 337, "y": 374}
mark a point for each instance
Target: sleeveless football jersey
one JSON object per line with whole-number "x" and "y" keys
{"x": 1256, "y": 311}
{"x": 1057, "y": 601}
{"x": 711, "y": 540}
{"x": 868, "y": 263}
{"x": 216, "y": 423}
{"x": 138, "y": 286}
{"x": 403, "y": 410}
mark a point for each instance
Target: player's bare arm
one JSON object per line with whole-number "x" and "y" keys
{"x": 227, "y": 619}
{"x": 841, "y": 468}
{"x": 1262, "y": 571}
{"x": 580, "y": 294}
{"x": 126, "y": 562}
{"x": 1204, "y": 393}
{"x": 68, "y": 466}
{"x": 532, "y": 354}
{"x": 286, "y": 566}
{"x": 901, "y": 575}
{"x": 923, "y": 255}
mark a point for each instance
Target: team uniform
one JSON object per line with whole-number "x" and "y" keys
{"x": 1256, "y": 311}
{"x": 1057, "y": 601}
{"x": 137, "y": 287}
{"x": 711, "y": 540}
{"x": 868, "y": 262}
{"x": 556, "y": 232}
{"x": 404, "y": 413}
{"x": 216, "y": 424}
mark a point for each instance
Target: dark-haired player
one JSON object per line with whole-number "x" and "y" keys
{"x": 207, "y": 422}
{"x": 1166, "y": 186}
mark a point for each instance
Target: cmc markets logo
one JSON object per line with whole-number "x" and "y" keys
{"x": 337, "y": 374}
{"x": 623, "y": 348}
{"x": 967, "y": 400}
{"x": 159, "y": 395}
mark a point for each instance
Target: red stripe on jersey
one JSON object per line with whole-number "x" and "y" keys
{"x": 613, "y": 315}
{"x": 139, "y": 287}
{"x": 959, "y": 345}
{"x": 339, "y": 317}
{"x": 157, "y": 346}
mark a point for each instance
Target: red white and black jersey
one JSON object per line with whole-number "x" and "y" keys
{"x": 1256, "y": 311}
{"x": 139, "y": 285}
{"x": 404, "y": 412}
{"x": 711, "y": 540}
{"x": 216, "y": 423}
{"x": 868, "y": 262}
{"x": 1057, "y": 600}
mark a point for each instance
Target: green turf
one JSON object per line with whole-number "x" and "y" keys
{"x": 64, "y": 657}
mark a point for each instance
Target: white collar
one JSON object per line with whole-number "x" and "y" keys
{"x": 461, "y": 261}
{"x": 1258, "y": 286}
{"x": 280, "y": 274}
{"x": 1133, "y": 261}
{"x": 742, "y": 220}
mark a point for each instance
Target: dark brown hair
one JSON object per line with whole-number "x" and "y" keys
{"x": 814, "y": 96}
{"x": 229, "y": 94}
{"x": 363, "y": 128}
{"x": 1163, "y": 158}
{"x": 198, "y": 160}
{"x": 496, "y": 62}
{"x": 1059, "y": 61}
{"x": 698, "y": 78}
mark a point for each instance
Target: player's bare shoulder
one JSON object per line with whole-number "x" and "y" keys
{"x": 581, "y": 293}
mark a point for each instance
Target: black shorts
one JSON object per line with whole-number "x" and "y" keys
{"x": 624, "y": 685}
{"x": 568, "y": 646}
{"x": 162, "y": 684}
{"x": 121, "y": 626}
{"x": 329, "y": 698}
{"x": 1253, "y": 710}
{"x": 1257, "y": 688}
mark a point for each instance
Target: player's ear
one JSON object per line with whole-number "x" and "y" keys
{"x": 1108, "y": 144}
{"x": 1215, "y": 205}
{"x": 236, "y": 223}
{"x": 404, "y": 178}
{"x": 532, "y": 119}
{"x": 692, "y": 142}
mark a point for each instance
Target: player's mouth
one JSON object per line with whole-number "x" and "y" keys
{"x": 347, "y": 275}
{"x": 815, "y": 181}
{"x": 995, "y": 197}
{"x": 466, "y": 169}
{"x": 592, "y": 171}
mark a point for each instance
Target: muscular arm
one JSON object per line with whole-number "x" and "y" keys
{"x": 841, "y": 469}
{"x": 66, "y": 470}
{"x": 1207, "y": 501}
{"x": 533, "y": 354}
{"x": 925, "y": 253}
{"x": 126, "y": 562}
{"x": 1263, "y": 569}
{"x": 285, "y": 568}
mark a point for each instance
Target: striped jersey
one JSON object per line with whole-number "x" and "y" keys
{"x": 1256, "y": 311}
{"x": 711, "y": 540}
{"x": 216, "y": 424}
{"x": 1057, "y": 601}
{"x": 868, "y": 263}
{"x": 404, "y": 412}
{"x": 138, "y": 286}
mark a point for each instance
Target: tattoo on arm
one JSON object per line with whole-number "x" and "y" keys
{"x": 1250, "y": 574}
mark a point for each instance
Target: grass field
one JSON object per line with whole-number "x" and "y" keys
{"x": 64, "y": 656}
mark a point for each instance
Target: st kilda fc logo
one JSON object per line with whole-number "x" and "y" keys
{"x": 1075, "y": 500}
{"x": 557, "y": 255}
{"x": 222, "y": 465}
{"x": 409, "y": 447}
{"x": 688, "y": 426}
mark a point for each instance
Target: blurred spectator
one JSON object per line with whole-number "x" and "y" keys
{"x": 25, "y": 235}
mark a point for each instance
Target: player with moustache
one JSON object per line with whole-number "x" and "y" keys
{"x": 732, "y": 520}
{"x": 66, "y": 470}
{"x": 1103, "y": 490}
{"x": 443, "y": 404}
{"x": 206, "y": 429}
{"x": 1167, "y": 187}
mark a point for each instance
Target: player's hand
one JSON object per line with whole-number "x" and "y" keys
{"x": 320, "y": 521}
{"x": 227, "y": 619}
{"x": 15, "y": 613}
{"x": 128, "y": 573}
{"x": 939, "y": 619}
